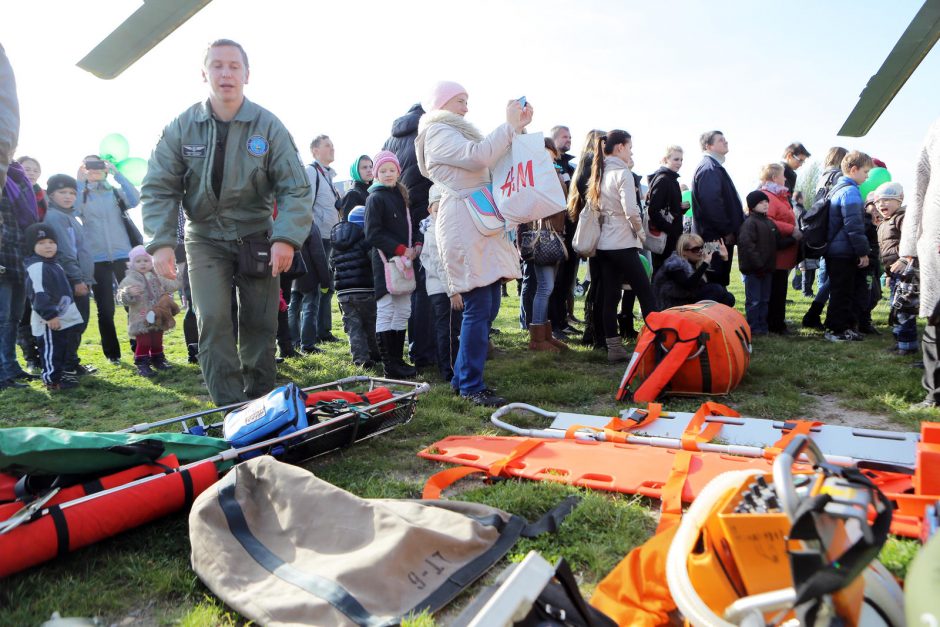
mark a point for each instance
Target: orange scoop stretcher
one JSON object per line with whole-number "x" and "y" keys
{"x": 673, "y": 476}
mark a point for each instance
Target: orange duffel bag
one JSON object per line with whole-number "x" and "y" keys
{"x": 693, "y": 350}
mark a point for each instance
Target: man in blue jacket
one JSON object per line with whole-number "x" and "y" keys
{"x": 847, "y": 252}
{"x": 717, "y": 213}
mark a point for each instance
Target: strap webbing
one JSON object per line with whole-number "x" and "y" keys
{"x": 321, "y": 587}
{"x": 550, "y": 521}
{"x": 61, "y": 530}
{"x": 680, "y": 351}
{"x": 439, "y": 482}
{"x": 796, "y": 427}
{"x": 671, "y": 495}
{"x": 695, "y": 433}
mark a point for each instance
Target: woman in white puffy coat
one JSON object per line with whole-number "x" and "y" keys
{"x": 457, "y": 157}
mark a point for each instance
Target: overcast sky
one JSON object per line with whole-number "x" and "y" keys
{"x": 664, "y": 71}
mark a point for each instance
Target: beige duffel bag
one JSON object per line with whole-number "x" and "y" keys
{"x": 283, "y": 547}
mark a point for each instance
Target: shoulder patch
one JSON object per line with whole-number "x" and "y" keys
{"x": 257, "y": 145}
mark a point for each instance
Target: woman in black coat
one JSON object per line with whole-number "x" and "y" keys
{"x": 664, "y": 203}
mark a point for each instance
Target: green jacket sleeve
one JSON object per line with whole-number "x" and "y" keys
{"x": 162, "y": 190}
{"x": 292, "y": 191}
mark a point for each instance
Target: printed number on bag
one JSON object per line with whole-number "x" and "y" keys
{"x": 522, "y": 175}
{"x": 434, "y": 568}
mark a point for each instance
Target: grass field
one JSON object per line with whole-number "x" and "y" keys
{"x": 144, "y": 576}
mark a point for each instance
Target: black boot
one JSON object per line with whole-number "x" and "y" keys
{"x": 143, "y": 367}
{"x": 391, "y": 344}
{"x": 159, "y": 362}
{"x": 812, "y": 319}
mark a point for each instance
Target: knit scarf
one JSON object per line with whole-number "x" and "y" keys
{"x": 775, "y": 188}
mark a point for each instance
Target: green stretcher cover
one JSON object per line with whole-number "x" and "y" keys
{"x": 49, "y": 451}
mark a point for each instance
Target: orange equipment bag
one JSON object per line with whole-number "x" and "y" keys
{"x": 691, "y": 350}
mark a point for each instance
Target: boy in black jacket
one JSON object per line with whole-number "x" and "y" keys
{"x": 351, "y": 262}
{"x": 758, "y": 241}
{"x": 54, "y": 311}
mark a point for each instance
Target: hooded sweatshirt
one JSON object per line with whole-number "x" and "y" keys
{"x": 402, "y": 143}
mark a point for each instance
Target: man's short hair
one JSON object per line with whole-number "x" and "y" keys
{"x": 708, "y": 138}
{"x": 218, "y": 43}
{"x": 557, "y": 129}
{"x": 855, "y": 159}
{"x": 796, "y": 149}
{"x": 317, "y": 141}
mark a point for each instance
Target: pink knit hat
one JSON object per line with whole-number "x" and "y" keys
{"x": 138, "y": 251}
{"x": 385, "y": 156}
{"x": 441, "y": 93}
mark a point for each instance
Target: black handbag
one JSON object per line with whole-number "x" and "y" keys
{"x": 133, "y": 233}
{"x": 548, "y": 248}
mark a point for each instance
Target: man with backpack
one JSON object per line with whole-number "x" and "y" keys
{"x": 847, "y": 250}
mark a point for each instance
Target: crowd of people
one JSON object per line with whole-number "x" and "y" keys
{"x": 257, "y": 244}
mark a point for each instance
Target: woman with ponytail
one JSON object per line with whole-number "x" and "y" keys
{"x": 577, "y": 198}
{"x": 612, "y": 190}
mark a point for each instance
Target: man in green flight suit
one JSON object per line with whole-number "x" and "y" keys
{"x": 226, "y": 162}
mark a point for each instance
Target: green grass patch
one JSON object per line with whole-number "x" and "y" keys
{"x": 144, "y": 576}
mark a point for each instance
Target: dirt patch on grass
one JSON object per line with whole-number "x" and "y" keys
{"x": 827, "y": 409}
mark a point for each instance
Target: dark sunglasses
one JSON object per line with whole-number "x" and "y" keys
{"x": 694, "y": 249}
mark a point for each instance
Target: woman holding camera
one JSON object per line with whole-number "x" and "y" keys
{"x": 102, "y": 208}
{"x": 453, "y": 154}
{"x": 681, "y": 279}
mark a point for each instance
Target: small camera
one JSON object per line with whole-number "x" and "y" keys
{"x": 95, "y": 164}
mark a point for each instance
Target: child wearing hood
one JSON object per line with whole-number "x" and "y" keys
{"x": 888, "y": 203}
{"x": 54, "y": 311}
{"x": 362, "y": 176}
{"x": 149, "y": 298}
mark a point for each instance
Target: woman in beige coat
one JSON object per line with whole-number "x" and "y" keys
{"x": 457, "y": 157}
{"x": 613, "y": 190}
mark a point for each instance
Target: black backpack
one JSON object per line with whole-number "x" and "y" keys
{"x": 815, "y": 221}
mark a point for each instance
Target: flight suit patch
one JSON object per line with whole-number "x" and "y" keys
{"x": 194, "y": 150}
{"x": 257, "y": 146}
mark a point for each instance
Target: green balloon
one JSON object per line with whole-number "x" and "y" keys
{"x": 134, "y": 169}
{"x": 114, "y": 148}
{"x": 646, "y": 265}
{"x": 876, "y": 177}
{"x": 687, "y": 197}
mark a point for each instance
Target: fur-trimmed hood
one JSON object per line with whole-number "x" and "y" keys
{"x": 469, "y": 131}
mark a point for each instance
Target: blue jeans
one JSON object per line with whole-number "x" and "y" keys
{"x": 757, "y": 301}
{"x": 302, "y": 318}
{"x": 324, "y": 314}
{"x": 480, "y": 307}
{"x": 528, "y": 286}
{"x": 905, "y": 331}
{"x": 545, "y": 275}
{"x": 12, "y": 301}
{"x": 822, "y": 283}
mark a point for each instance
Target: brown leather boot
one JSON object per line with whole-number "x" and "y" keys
{"x": 538, "y": 341}
{"x": 616, "y": 351}
{"x": 549, "y": 337}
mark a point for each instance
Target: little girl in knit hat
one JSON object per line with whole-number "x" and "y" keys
{"x": 151, "y": 308}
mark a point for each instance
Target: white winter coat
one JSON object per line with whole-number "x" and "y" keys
{"x": 920, "y": 234}
{"x": 452, "y": 153}
{"x": 434, "y": 282}
{"x": 622, "y": 224}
